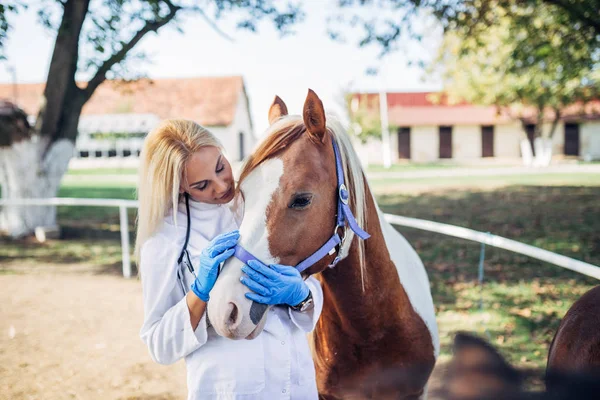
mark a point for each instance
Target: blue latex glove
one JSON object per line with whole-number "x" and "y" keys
{"x": 217, "y": 251}
{"x": 276, "y": 284}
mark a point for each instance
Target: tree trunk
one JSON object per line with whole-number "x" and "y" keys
{"x": 25, "y": 175}
{"x": 546, "y": 148}
{"x": 32, "y": 166}
{"x": 526, "y": 146}
{"x": 543, "y": 150}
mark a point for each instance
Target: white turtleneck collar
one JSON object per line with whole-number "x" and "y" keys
{"x": 207, "y": 221}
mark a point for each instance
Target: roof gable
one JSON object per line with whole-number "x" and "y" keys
{"x": 210, "y": 101}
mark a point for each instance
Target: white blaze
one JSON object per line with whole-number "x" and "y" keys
{"x": 258, "y": 189}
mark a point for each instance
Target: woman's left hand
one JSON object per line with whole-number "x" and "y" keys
{"x": 276, "y": 284}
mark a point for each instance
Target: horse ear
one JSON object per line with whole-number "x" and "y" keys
{"x": 314, "y": 116}
{"x": 277, "y": 110}
{"x": 477, "y": 370}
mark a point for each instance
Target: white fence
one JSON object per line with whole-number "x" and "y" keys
{"x": 445, "y": 229}
{"x": 123, "y": 205}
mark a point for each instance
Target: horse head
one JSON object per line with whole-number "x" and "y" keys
{"x": 290, "y": 190}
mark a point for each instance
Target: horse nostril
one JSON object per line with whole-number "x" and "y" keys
{"x": 234, "y": 316}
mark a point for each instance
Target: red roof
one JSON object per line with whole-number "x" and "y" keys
{"x": 431, "y": 108}
{"x": 210, "y": 101}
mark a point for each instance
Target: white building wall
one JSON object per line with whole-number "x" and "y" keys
{"x": 229, "y": 135}
{"x": 507, "y": 140}
{"x": 589, "y": 140}
{"x": 466, "y": 142}
{"x": 370, "y": 152}
{"x": 424, "y": 143}
{"x": 558, "y": 140}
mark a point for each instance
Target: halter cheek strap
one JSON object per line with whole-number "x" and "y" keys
{"x": 344, "y": 215}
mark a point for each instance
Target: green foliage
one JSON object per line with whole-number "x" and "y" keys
{"x": 364, "y": 118}
{"x": 100, "y": 38}
{"x": 365, "y": 121}
{"x": 388, "y": 23}
{"x": 7, "y": 8}
{"x": 111, "y": 25}
{"x": 526, "y": 59}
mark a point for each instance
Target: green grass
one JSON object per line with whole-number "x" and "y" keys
{"x": 406, "y": 185}
{"x": 403, "y": 167}
{"x": 523, "y": 299}
{"x": 103, "y": 171}
{"x": 448, "y": 164}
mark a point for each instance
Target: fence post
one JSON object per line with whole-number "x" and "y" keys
{"x": 481, "y": 275}
{"x": 125, "y": 241}
{"x": 480, "y": 278}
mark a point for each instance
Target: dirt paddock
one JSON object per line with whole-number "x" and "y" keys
{"x": 75, "y": 336}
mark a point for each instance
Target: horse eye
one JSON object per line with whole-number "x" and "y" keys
{"x": 301, "y": 202}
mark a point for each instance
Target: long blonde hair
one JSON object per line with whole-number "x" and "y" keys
{"x": 163, "y": 158}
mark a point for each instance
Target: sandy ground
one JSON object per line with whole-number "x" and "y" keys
{"x": 75, "y": 336}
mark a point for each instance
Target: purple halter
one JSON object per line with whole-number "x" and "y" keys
{"x": 344, "y": 214}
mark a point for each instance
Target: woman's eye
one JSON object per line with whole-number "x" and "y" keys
{"x": 221, "y": 168}
{"x": 300, "y": 203}
{"x": 202, "y": 186}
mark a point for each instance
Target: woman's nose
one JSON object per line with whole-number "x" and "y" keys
{"x": 221, "y": 186}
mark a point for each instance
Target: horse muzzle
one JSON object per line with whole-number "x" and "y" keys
{"x": 231, "y": 314}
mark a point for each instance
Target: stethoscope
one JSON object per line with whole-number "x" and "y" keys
{"x": 184, "y": 260}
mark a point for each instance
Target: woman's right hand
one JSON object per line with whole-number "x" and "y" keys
{"x": 217, "y": 251}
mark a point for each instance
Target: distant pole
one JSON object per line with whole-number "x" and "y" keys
{"x": 385, "y": 129}
{"x": 13, "y": 72}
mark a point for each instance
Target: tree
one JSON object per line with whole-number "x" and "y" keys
{"x": 363, "y": 115}
{"x": 392, "y": 22}
{"x": 515, "y": 54}
{"x": 99, "y": 38}
{"x": 528, "y": 75}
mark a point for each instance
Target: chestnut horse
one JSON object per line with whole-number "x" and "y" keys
{"x": 378, "y": 312}
{"x": 576, "y": 344}
{"x": 477, "y": 371}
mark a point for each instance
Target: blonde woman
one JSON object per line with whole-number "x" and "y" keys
{"x": 187, "y": 226}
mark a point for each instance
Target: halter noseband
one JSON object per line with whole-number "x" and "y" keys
{"x": 344, "y": 214}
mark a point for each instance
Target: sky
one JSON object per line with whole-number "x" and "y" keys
{"x": 270, "y": 64}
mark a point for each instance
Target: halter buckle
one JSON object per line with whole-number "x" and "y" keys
{"x": 342, "y": 237}
{"x": 343, "y": 193}
{"x": 336, "y": 250}
{"x": 334, "y": 262}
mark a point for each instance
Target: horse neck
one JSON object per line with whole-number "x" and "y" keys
{"x": 347, "y": 291}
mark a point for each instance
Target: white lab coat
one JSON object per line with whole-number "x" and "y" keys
{"x": 275, "y": 365}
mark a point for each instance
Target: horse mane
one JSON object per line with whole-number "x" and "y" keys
{"x": 290, "y": 128}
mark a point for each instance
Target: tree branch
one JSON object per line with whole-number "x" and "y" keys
{"x": 557, "y": 117}
{"x": 212, "y": 23}
{"x": 577, "y": 13}
{"x": 150, "y": 26}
